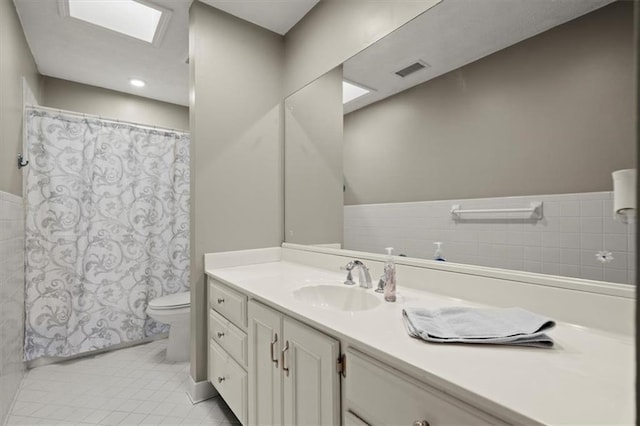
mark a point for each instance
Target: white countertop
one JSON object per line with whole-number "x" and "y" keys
{"x": 587, "y": 378}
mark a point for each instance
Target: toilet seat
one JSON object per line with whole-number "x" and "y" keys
{"x": 172, "y": 301}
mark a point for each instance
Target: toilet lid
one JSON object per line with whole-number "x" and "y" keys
{"x": 172, "y": 301}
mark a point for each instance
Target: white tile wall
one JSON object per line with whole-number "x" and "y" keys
{"x": 565, "y": 242}
{"x": 11, "y": 298}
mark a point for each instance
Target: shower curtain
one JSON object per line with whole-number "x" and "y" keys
{"x": 107, "y": 230}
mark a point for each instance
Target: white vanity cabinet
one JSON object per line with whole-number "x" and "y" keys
{"x": 292, "y": 371}
{"x": 274, "y": 370}
{"x": 227, "y": 359}
{"x": 278, "y": 353}
{"x": 377, "y": 394}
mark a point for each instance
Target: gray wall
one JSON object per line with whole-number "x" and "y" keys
{"x": 314, "y": 200}
{"x": 552, "y": 114}
{"x": 335, "y": 30}
{"x": 236, "y": 150}
{"x": 63, "y": 94}
{"x": 16, "y": 62}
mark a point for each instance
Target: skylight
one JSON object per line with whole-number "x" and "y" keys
{"x": 350, "y": 91}
{"x": 129, "y": 17}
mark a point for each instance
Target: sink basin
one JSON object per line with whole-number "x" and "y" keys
{"x": 337, "y": 298}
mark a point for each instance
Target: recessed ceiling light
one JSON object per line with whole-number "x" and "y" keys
{"x": 137, "y": 83}
{"x": 138, "y": 19}
{"x": 351, "y": 91}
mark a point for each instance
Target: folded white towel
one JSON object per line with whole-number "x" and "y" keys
{"x": 510, "y": 326}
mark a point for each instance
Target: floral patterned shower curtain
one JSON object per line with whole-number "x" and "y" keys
{"x": 107, "y": 230}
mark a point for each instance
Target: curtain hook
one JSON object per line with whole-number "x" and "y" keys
{"x": 21, "y": 162}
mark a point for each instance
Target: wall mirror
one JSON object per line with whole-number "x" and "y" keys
{"x": 513, "y": 117}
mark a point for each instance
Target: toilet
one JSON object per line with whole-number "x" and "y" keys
{"x": 174, "y": 310}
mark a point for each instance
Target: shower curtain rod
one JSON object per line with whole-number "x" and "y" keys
{"x": 110, "y": 120}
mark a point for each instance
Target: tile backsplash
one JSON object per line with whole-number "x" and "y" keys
{"x": 12, "y": 366}
{"x": 566, "y": 241}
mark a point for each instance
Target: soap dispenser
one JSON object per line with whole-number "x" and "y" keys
{"x": 389, "y": 277}
{"x": 438, "y": 254}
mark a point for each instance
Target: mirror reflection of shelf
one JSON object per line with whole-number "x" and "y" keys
{"x": 534, "y": 210}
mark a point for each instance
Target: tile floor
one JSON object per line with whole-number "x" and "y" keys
{"x": 124, "y": 387}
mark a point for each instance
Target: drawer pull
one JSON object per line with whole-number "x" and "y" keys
{"x": 220, "y": 301}
{"x": 421, "y": 423}
{"x": 221, "y": 379}
{"x": 220, "y": 335}
{"x": 274, "y": 359}
{"x": 285, "y": 349}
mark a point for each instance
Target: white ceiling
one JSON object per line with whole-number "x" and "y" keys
{"x": 275, "y": 15}
{"x": 74, "y": 50}
{"x": 451, "y": 34}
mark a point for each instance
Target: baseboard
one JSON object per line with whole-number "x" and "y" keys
{"x": 41, "y": 362}
{"x": 200, "y": 391}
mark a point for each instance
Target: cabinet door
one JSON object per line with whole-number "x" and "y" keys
{"x": 311, "y": 382}
{"x": 265, "y": 381}
{"x": 381, "y": 395}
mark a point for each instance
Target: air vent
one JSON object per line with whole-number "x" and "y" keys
{"x": 414, "y": 67}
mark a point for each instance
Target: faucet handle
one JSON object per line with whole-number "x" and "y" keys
{"x": 381, "y": 284}
{"x": 348, "y": 267}
{"x": 349, "y": 280}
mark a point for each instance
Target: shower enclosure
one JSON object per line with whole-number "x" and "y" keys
{"x": 107, "y": 229}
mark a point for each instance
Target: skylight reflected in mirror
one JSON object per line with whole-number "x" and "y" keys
{"x": 351, "y": 91}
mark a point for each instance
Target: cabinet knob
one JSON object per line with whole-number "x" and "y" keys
{"x": 220, "y": 335}
{"x": 221, "y": 379}
{"x": 421, "y": 423}
{"x": 220, "y": 301}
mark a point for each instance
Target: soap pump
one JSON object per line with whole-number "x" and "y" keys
{"x": 438, "y": 254}
{"x": 389, "y": 277}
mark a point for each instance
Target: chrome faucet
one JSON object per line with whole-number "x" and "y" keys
{"x": 364, "y": 276}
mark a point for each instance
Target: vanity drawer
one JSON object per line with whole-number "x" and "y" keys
{"x": 229, "y": 379}
{"x": 381, "y": 395}
{"x": 229, "y": 303}
{"x": 231, "y": 338}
